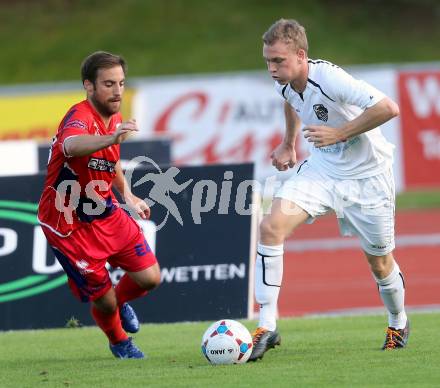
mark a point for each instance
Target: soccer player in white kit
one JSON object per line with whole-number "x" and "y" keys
{"x": 349, "y": 171}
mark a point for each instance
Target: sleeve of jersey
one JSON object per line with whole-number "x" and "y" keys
{"x": 352, "y": 91}
{"x": 74, "y": 126}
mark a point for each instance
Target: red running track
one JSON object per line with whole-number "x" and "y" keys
{"x": 318, "y": 280}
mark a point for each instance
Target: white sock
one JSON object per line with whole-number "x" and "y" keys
{"x": 268, "y": 277}
{"x": 392, "y": 292}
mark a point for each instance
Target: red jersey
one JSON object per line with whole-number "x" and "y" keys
{"x": 91, "y": 172}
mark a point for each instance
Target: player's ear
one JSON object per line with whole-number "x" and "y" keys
{"x": 301, "y": 55}
{"x": 88, "y": 86}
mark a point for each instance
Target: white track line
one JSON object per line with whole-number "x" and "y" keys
{"x": 434, "y": 308}
{"x": 331, "y": 244}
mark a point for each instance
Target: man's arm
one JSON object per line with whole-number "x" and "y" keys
{"x": 82, "y": 145}
{"x": 293, "y": 124}
{"x": 284, "y": 156}
{"x": 121, "y": 185}
{"x": 371, "y": 118}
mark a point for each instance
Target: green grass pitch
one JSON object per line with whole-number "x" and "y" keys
{"x": 315, "y": 352}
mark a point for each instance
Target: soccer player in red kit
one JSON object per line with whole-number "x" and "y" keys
{"x": 79, "y": 214}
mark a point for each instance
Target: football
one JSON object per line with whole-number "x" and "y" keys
{"x": 227, "y": 342}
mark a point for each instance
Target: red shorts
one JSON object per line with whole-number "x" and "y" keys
{"x": 116, "y": 239}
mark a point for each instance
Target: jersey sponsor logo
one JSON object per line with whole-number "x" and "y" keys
{"x": 75, "y": 124}
{"x": 321, "y": 112}
{"x": 101, "y": 165}
{"x": 339, "y": 147}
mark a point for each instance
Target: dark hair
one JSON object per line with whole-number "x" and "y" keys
{"x": 288, "y": 31}
{"x": 100, "y": 60}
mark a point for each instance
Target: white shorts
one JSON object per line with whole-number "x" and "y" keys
{"x": 364, "y": 207}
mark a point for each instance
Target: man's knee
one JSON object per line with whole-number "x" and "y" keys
{"x": 271, "y": 230}
{"x": 381, "y": 266}
{"x": 150, "y": 279}
{"x": 152, "y": 282}
{"x": 268, "y": 229}
{"x": 284, "y": 217}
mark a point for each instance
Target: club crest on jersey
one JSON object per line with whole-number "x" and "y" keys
{"x": 321, "y": 112}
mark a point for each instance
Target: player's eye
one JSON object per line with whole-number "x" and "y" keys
{"x": 273, "y": 60}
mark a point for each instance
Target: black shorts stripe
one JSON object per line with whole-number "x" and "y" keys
{"x": 300, "y": 166}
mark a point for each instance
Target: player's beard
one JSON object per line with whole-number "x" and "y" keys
{"x": 105, "y": 109}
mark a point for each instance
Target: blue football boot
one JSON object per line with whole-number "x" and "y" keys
{"x": 126, "y": 349}
{"x": 129, "y": 319}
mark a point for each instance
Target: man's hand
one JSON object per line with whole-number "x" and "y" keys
{"x": 321, "y": 135}
{"x": 139, "y": 205}
{"x": 283, "y": 157}
{"x": 124, "y": 130}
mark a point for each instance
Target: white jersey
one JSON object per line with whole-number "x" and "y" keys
{"x": 332, "y": 98}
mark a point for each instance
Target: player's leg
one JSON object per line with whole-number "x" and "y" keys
{"x": 89, "y": 281}
{"x": 142, "y": 275}
{"x": 302, "y": 198}
{"x": 371, "y": 216}
{"x": 146, "y": 279}
{"x": 105, "y": 312}
{"x": 391, "y": 285}
{"x": 134, "y": 285}
{"x": 275, "y": 227}
{"x": 142, "y": 271}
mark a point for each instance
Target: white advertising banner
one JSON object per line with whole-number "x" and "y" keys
{"x": 232, "y": 119}
{"x": 19, "y": 157}
{"x": 214, "y": 120}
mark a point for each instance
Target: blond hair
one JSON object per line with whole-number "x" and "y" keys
{"x": 288, "y": 31}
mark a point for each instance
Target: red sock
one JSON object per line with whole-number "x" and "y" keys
{"x": 110, "y": 324}
{"x": 127, "y": 289}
